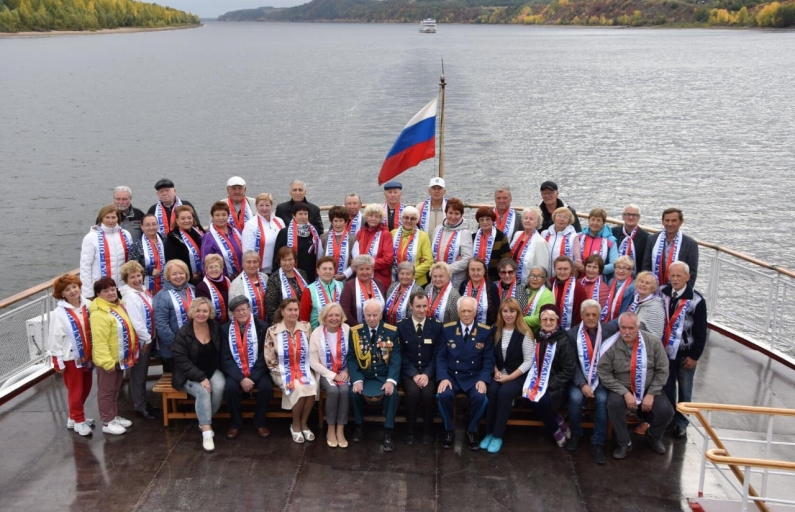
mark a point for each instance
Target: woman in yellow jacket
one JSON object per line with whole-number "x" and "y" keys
{"x": 115, "y": 348}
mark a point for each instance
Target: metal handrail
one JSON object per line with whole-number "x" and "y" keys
{"x": 695, "y": 407}
{"x": 719, "y": 456}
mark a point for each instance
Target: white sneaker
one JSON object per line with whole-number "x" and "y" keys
{"x": 207, "y": 441}
{"x": 113, "y": 428}
{"x": 83, "y": 429}
{"x": 70, "y": 423}
{"x": 121, "y": 421}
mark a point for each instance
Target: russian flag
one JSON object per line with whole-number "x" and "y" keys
{"x": 417, "y": 142}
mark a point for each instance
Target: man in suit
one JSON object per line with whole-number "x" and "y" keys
{"x": 684, "y": 339}
{"x": 588, "y": 338}
{"x": 419, "y": 343}
{"x": 464, "y": 365}
{"x": 374, "y": 368}
{"x": 509, "y": 221}
{"x": 630, "y": 237}
{"x": 298, "y": 195}
{"x": 242, "y": 378}
{"x": 668, "y": 246}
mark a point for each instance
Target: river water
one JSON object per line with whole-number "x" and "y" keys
{"x": 700, "y": 119}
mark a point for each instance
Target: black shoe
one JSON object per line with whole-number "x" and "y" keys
{"x": 598, "y": 452}
{"x": 146, "y": 414}
{"x": 358, "y": 434}
{"x": 472, "y": 440}
{"x": 428, "y": 439}
{"x": 656, "y": 444}
{"x": 152, "y": 408}
{"x": 389, "y": 445}
{"x": 680, "y": 432}
{"x": 409, "y": 438}
{"x": 621, "y": 451}
{"x": 447, "y": 440}
{"x": 573, "y": 443}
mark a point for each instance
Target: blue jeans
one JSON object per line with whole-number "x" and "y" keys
{"x": 576, "y": 399}
{"x": 682, "y": 379}
{"x": 207, "y": 404}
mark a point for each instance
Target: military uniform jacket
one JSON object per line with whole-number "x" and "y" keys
{"x": 377, "y": 358}
{"x": 465, "y": 361}
{"x": 419, "y": 354}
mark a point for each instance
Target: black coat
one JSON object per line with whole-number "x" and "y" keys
{"x": 563, "y": 367}
{"x": 285, "y": 212}
{"x": 175, "y": 249}
{"x": 419, "y": 357}
{"x": 641, "y": 237}
{"x": 513, "y": 356}
{"x": 306, "y": 261}
{"x": 228, "y": 364}
{"x": 493, "y": 296}
{"x": 186, "y": 352}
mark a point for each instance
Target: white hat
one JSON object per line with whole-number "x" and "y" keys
{"x": 236, "y": 180}
{"x": 436, "y": 182}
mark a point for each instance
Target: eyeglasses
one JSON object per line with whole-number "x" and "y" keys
{"x": 535, "y": 276}
{"x": 631, "y": 215}
{"x": 410, "y": 218}
{"x": 507, "y": 272}
{"x": 622, "y": 267}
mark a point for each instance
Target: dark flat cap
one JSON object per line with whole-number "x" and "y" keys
{"x": 549, "y": 184}
{"x": 237, "y": 301}
{"x": 164, "y": 183}
{"x": 393, "y": 184}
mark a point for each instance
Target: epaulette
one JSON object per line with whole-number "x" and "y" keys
{"x": 357, "y": 327}
{"x": 485, "y": 326}
{"x": 390, "y": 327}
{"x": 450, "y": 324}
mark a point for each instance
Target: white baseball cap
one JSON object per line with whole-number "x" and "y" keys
{"x": 236, "y": 180}
{"x": 436, "y": 182}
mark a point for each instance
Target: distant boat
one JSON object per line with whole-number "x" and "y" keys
{"x": 428, "y": 26}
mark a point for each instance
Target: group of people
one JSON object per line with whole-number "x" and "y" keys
{"x": 526, "y": 307}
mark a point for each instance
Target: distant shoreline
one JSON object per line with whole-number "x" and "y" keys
{"x": 121, "y": 30}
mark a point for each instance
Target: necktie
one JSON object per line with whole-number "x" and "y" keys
{"x": 372, "y": 334}
{"x": 674, "y": 299}
{"x": 466, "y": 333}
{"x": 419, "y": 331}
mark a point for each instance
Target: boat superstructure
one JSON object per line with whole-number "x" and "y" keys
{"x": 428, "y": 26}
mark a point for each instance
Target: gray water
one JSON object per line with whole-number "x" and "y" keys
{"x": 700, "y": 119}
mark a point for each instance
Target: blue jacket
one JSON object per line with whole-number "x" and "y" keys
{"x": 612, "y": 247}
{"x": 165, "y": 316}
{"x": 419, "y": 355}
{"x": 465, "y": 362}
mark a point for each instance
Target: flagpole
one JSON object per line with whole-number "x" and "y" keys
{"x": 442, "y": 84}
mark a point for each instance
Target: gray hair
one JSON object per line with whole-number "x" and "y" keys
{"x": 441, "y": 265}
{"x": 534, "y": 209}
{"x": 405, "y": 265}
{"x": 371, "y": 303}
{"x": 249, "y": 253}
{"x": 298, "y": 182}
{"x": 463, "y": 300}
{"x": 542, "y": 269}
{"x": 363, "y": 259}
{"x": 589, "y": 303}
{"x": 682, "y": 264}
{"x": 503, "y": 189}
{"x": 410, "y": 210}
{"x": 354, "y": 194}
{"x": 631, "y": 205}
{"x": 631, "y": 316}
{"x": 122, "y": 188}
{"x": 374, "y": 208}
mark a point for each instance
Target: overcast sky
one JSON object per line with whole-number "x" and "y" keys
{"x": 214, "y": 8}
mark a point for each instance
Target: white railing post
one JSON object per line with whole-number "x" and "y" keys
{"x": 714, "y": 280}
{"x": 746, "y": 487}
{"x": 775, "y": 302}
{"x": 768, "y": 441}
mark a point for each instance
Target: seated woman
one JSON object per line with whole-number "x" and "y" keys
{"x": 171, "y": 308}
{"x": 328, "y": 351}
{"x": 184, "y": 242}
{"x": 649, "y": 306}
{"x": 197, "y": 365}
{"x": 149, "y": 252}
{"x": 442, "y": 295}
{"x": 373, "y": 238}
{"x": 356, "y": 291}
{"x": 397, "y": 297}
{"x": 322, "y": 292}
{"x": 114, "y": 349}
{"x": 483, "y": 289}
{"x": 285, "y": 283}
{"x": 261, "y": 231}
{"x": 138, "y": 303}
{"x": 593, "y": 282}
{"x": 597, "y": 238}
{"x": 547, "y": 383}
{"x": 301, "y": 237}
{"x": 412, "y": 245}
{"x": 339, "y": 242}
{"x": 489, "y": 243}
{"x": 537, "y": 295}
{"x": 514, "y": 348}
{"x": 451, "y": 242}
{"x": 69, "y": 343}
{"x": 252, "y": 284}
{"x": 287, "y": 358}
{"x": 224, "y": 240}
{"x": 509, "y": 286}
{"x": 528, "y": 249}
{"x": 215, "y": 285}
{"x": 621, "y": 291}
{"x": 105, "y": 249}
{"x": 562, "y": 240}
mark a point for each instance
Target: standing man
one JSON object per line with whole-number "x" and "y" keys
{"x": 241, "y": 208}
{"x": 374, "y": 367}
{"x": 163, "y": 209}
{"x": 550, "y": 202}
{"x": 393, "y": 192}
{"x": 630, "y": 237}
{"x": 464, "y": 365}
{"x": 353, "y": 203}
{"x": 130, "y": 218}
{"x": 420, "y": 337}
{"x": 568, "y": 292}
{"x": 507, "y": 219}
{"x": 684, "y": 339}
{"x": 633, "y": 368}
{"x": 298, "y": 195}
{"x": 432, "y": 209}
{"x": 668, "y": 246}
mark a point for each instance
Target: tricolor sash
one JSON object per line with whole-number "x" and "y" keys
{"x": 481, "y": 250}
{"x": 287, "y": 289}
{"x": 261, "y": 239}
{"x": 149, "y": 312}
{"x": 231, "y": 256}
{"x": 80, "y": 335}
{"x": 292, "y": 238}
{"x": 355, "y": 223}
{"x": 595, "y": 286}
{"x": 450, "y": 250}
{"x": 154, "y": 259}
{"x": 408, "y": 251}
{"x": 217, "y": 299}
{"x": 505, "y": 222}
{"x": 194, "y": 251}
{"x": 659, "y": 262}
{"x": 372, "y": 249}
{"x": 481, "y": 296}
{"x": 181, "y": 305}
{"x": 438, "y": 304}
{"x": 397, "y": 304}
{"x": 256, "y": 294}
{"x": 509, "y": 292}
{"x": 627, "y": 245}
{"x": 637, "y": 369}
{"x": 567, "y": 308}
{"x": 128, "y": 339}
{"x": 425, "y": 210}
{"x": 637, "y": 302}
{"x": 564, "y": 247}
{"x": 294, "y": 360}
{"x": 520, "y": 248}
{"x": 238, "y": 220}
{"x": 588, "y": 352}
{"x": 397, "y": 218}
{"x": 244, "y": 345}
{"x": 615, "y": 297}
{"x": 335, "y": 364}
{"x": 105, "y": 257}
{"x": 533, "y": 304}
{"x": 535, "y": 386}
{"x": 674, "y": 325}
{"x": 321, "y": 296}
{"x": 590, "y": 245}
{"x": 163, "y": 224}
{"x": 374, "y": 293}
{"x": 338, "y": 251}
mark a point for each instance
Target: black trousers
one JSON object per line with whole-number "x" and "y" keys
{"x": 499, "y": 409}
{"x": 233, "y": 394}
{"x": 416, "y": 396}
{"x": 659, "y": 417}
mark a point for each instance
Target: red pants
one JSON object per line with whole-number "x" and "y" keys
{"x": 78, "y": 385}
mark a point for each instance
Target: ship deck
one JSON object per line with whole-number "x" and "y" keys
{"x": 44, "y": 466}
